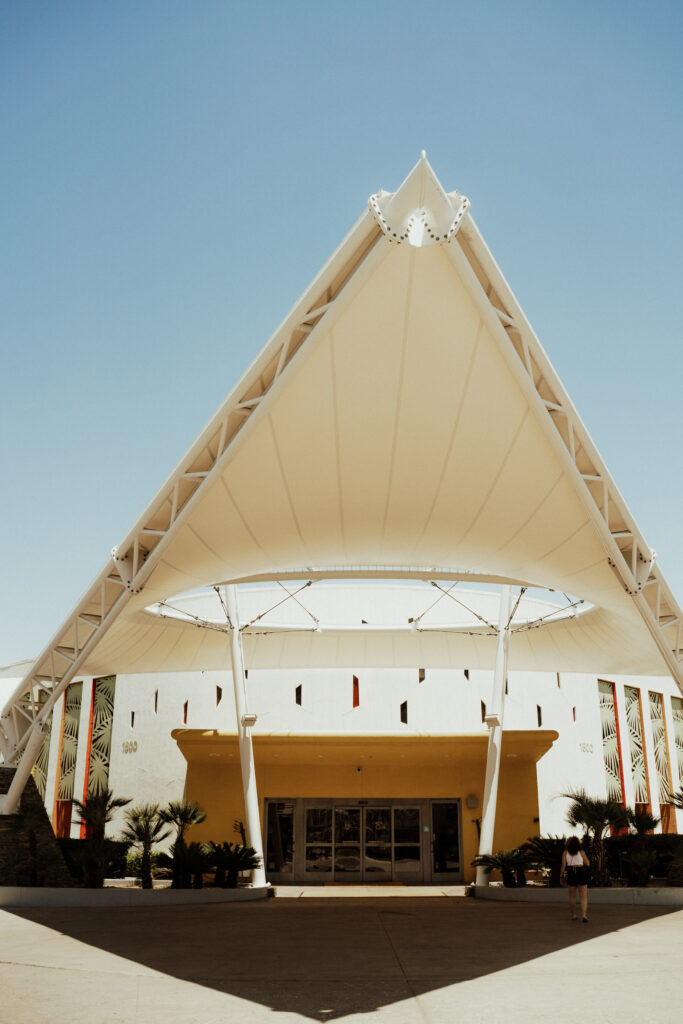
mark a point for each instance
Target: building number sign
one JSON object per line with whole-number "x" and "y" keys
{"x": 129, "y": 746}
{"x": 587, "y": 748}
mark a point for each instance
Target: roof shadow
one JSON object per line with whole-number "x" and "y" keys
{"x": 326, "y": 959}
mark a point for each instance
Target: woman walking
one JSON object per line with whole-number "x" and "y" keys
{"x": 575, "y": 866}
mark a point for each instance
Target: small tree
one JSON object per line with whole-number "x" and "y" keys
{"x": 145, "y": 828}
{"x": 597, "y": 817}
{"x": 545, "y": 853}
{"x": 95, "y": 813}
{"x": 229, "y": 860}
{"x": 505, "y": 861}
{"x": 181, "y": 814}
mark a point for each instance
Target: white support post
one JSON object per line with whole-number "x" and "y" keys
{"x": 10, "y": 802}
{"x": 494, "y": 720}
{"x": 244, "y": 723}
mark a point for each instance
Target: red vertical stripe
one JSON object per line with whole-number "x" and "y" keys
{"x": 356, "y": 692}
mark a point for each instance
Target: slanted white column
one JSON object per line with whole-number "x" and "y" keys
{"x": 9, "y": 804}
{"x": 244, "y": 724}
{"x": 494, "y": 720}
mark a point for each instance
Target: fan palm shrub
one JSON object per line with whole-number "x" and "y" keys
{"x": 596, "y": 817}
{"x": 677, "y": 799}
{"x": 95, "y": 813}
{"x": 144, "y": 827}
{"x": 230, "y": 860}
{"x": 510, "y": 863}
{"x": 181, "y": 815}
{"x": 545, "y": 854}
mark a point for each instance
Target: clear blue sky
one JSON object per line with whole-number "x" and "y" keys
{"x": 174, "y": 174}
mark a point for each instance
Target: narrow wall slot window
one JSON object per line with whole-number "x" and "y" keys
{"x": 539, "y": 715}
{"x": 185, "y": 705}
{"x": 421, "y": 675}
{"x": 574, "y": 714}
{"x": 467, "y": 673}
{"x": 156, "y": 702}
{"x": 404, "y": 712}
{"x": 483, "y": 711}
{"x": 298, "y": 694}
{"x": 219, "y": 695}
{"x": 132, "y": 719}
{"x": 356, "y": 692}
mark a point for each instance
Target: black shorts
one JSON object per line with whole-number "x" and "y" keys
{"x": 578, "y": 875}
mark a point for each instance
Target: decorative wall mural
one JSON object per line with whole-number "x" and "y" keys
{"x": 40, "y": 767}
{"x": 677, "y": 711}
{"x": 664, "y": 786}
{"x": 610, "y": 741}
{"x": 67, "y": 764}
{"x": 100, "y": 743}
{"x": 635, "y": 742}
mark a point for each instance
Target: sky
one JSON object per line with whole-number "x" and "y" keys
{"x": 174, "y": 175}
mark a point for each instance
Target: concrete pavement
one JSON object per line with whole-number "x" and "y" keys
{"x": 389, "y": 961}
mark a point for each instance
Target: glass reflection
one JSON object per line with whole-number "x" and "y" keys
{"x": 406, "y": 824}
{"x": 347, "y": 858}
{"x": 377, "y": 824}
{"x": 407, "y": 859}
{"x": 318, "y": 858}
{"x": 378, "y": 858}
{"x": 319, "y": 825}
{"x": 280, "y": 844}
{"x": 347, "y": 825}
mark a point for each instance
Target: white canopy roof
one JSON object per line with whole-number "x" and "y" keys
{"x": 403, "y": 421}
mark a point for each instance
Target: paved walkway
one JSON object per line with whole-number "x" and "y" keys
{"x": 389, "y": 961}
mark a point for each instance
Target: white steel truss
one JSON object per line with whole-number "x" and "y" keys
{"x": 134, "y": 560}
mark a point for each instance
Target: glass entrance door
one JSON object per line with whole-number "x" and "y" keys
{"x": 377, "y": 844}
{"x": 346, "y": 841}
{"x": 446, "y": 864}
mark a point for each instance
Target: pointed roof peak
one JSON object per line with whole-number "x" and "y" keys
{"x": 420, "y": 212}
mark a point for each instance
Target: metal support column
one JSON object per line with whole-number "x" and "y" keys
{"x": 494, "y": 720}
{"x": 10, "y": 802}
{"x": 244, "y": 723}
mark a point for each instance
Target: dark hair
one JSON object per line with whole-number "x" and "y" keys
{"x": 573, "y": 844}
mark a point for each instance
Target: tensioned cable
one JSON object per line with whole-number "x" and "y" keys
{"x": 481, "y": 618}
{"x": 283, "y": 601}
{"x": 537, "y": 623}
{"x": 223, "y": 605}
{"x": 434, "y": 603}
{"x": 193, "y": 619}
{"x": 300, "y": 603}
{"x": 512, "y": 613}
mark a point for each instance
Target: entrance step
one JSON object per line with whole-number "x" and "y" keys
{"x": 350, "y": 891}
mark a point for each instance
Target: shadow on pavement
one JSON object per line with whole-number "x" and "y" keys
{"x": 326, "y": 959}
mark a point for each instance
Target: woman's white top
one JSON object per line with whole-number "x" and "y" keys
{"x": 574, "y": 860}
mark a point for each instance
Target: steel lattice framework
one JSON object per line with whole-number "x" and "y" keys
{"x": 134, "y": 559}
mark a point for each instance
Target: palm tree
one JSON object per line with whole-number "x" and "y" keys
{"x": 181, "y": 814}
{"x": 509, "y": 862}
{"x": 642, "y": 822}
{"x": 95, "y": 813}
{"x": 545, "y": 852}
{"x": 144, "y": 827}
{"x": 597, "y": 817}
{"x": 229, "y": 859}
{"x": 677, "y": 798}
